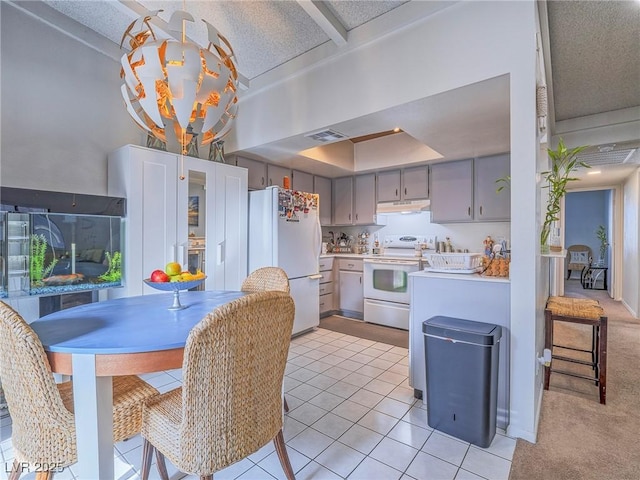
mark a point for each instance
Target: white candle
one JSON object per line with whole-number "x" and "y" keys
{"x": 73, "y": 258}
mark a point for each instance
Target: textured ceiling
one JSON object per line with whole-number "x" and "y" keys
{"x": 263, "y": 34}
{"x": 595, "y": 56}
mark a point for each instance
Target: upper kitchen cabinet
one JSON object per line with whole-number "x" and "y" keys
{"x": 256, "y": 172}
{"x": 276, "y": 174}
{"x": 342, "y": 201}
{"x": 465, "y": 190}
{"x": 365, "y": 199}
{"x": 301, "y": 181}
{"x": 407, "y": 184}
{"x": 354, "y": 200}
{"x": 489, "y": 205}
{"x": 322, "y": 186}
{"x": 452, "y": 192}
{"x": 415, "y": 183}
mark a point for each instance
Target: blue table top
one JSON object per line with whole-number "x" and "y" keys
{"x": 128, "y": 325}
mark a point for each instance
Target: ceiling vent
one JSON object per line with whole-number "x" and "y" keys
{"x": 326, "y": 136}
{"x": 607, "y": 157}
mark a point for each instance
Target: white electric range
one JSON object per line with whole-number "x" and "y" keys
{"x": 386, "y": 279}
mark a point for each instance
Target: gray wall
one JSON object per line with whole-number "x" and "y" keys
{"x": 584, "y": 213}
{"x": 62, "y": 111}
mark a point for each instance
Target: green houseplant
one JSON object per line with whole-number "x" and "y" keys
{"x": 601, "y": 233}
{"x": 564, "y": 161}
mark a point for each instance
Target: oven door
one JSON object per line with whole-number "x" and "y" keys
{"x": 388, "y": 279}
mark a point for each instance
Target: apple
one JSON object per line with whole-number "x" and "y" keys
{"x": 159, "y": 276}
{"x": 173, "y": 268}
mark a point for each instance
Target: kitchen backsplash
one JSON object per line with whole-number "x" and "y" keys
{"x": 463, "y": 235}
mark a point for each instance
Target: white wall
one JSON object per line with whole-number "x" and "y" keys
{"x": 463, "y": 235}
{"x": 631, "y": 244}
{"x": 464, "y": 44}
{"x": 62, "y": 114}
{"x": 61, "y": 109}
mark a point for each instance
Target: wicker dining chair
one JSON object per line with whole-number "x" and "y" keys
{"x": 230, "y": 402}
{"x": 266, "y": 278}
{"x": 43, "y": 424}
{"x": 263, "y": 279}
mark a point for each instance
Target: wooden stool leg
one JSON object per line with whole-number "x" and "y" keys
{"x": 603, "y": 360}
{"x": 548, "y": 343}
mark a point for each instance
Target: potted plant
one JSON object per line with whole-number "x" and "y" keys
{"x": 564, "y": 161}
{"x": 601, "y": 233}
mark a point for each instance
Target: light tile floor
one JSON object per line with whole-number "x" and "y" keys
{"x": 352, "y": 415}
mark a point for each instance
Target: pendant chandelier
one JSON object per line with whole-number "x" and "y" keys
{"x": 175, "y": 89}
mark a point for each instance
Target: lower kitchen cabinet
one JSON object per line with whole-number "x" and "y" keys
{"x": 326, "y": 287}
{"x": 351, "y": 288}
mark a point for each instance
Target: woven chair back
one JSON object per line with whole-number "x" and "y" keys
{"x": 266, "y": 278}
{"x": 43, "y": 429}
{"x": 233, "y": 370}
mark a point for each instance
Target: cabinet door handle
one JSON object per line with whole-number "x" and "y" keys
{"x": 270, "y": 181}
{"x": 405, "y": 191}
{"x": 349, "y": 217}
{"x": 356, "y": 217}
{"x": 396, "y": 192}
{"x": 360, "y": 278}
{"x": 262, "y": 182}
{"x": 480, "y": 209}
{"x": 469, "y": 211}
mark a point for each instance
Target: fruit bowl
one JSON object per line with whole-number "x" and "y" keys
{"x": 175, "y": 287}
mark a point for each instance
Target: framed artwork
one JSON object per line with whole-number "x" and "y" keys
{"x": 193, "y": 210}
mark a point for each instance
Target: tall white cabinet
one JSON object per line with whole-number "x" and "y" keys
{"x": 157, "y": 224}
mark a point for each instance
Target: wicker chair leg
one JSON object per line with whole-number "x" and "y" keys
{"x": 147, "y": 455}
{"x": 15, "y": 471}
{"x": 281, "y": 449}
{"x": 286, "y": 405}
{"x": 162, "y": 466}
{"x": 48, "y": 475}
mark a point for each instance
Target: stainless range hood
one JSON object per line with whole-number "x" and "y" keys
{"x": 404, "y": 207}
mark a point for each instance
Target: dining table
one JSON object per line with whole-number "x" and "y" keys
{"x": 124, "y": 336}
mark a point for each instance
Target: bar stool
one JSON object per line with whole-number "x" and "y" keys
{"x": 586, "y": 312}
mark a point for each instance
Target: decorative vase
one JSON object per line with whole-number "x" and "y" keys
{"x": 555, "y": 239}
{"x": 216, "y": 152}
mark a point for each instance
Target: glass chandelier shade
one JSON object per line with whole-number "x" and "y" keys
{"x": 175, "y": 89}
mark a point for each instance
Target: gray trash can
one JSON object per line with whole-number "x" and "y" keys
{"x": 462, "y": 377}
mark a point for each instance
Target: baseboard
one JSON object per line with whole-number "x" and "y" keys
{"x": 628, "y": 307}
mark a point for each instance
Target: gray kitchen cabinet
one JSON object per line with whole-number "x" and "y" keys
{"x": 257, "y": 172}
{"x": 301, "y": 181}
{"x": 365, "y": 199}
{"x": 489, "y": 205}
{"x": 343, "y": 200}
{"x": 452, "y": 191}
{"x": 322, "y": 186}
{"x": 351, "y": 287}
{"x": 389, "y": 186}
{"x": 465, "y": 190}
{"x": 325, "y": 266}
{"x": 407, "y": 184}
{"x": 276, "y": 174}
{"x": 415, "y": 183}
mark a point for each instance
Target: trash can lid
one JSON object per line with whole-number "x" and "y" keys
{"x": 462, "y": 330}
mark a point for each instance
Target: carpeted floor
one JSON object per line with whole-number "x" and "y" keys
{"x": 579, "y": 439}
{"x": 370, "y": 331}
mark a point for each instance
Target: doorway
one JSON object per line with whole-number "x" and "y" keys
{"x": 590, "y": 221}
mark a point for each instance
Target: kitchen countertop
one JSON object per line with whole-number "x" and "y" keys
{"x": 471, "y": 277}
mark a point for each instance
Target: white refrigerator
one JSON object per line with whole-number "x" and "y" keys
{"x": 284, "y": 231}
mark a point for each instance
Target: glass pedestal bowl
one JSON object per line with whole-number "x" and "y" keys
{"x": 175, "y": 287}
